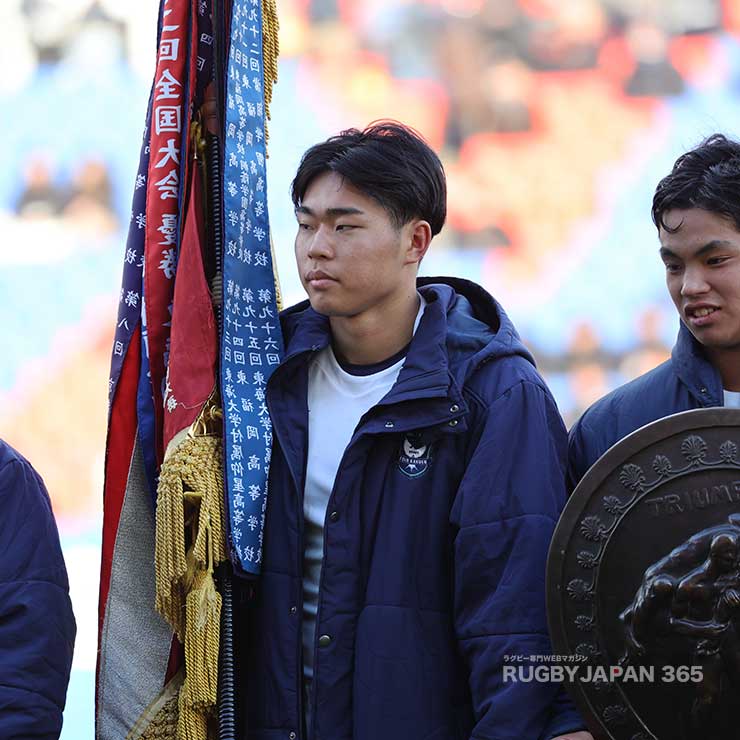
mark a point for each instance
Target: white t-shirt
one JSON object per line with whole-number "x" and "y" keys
{"x": 337, "y": 400}
{"x": 732, "y": 399}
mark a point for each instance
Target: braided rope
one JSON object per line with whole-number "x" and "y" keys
{"x": 270, "y": 52}
{"x": 190, "y": 514}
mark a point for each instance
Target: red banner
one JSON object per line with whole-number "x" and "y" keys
{"x": 169, "y": 130}
{"x": 191, "y": 375}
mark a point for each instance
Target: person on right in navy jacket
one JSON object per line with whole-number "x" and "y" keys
{"x": 696, "y": 209}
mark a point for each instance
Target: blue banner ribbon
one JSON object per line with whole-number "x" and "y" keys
{"x": 251, "y": 341}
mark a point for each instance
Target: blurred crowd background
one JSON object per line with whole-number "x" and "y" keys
{"x": 554, "y": 118}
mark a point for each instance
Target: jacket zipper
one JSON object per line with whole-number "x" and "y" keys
{"x": 312, "y": 728}
{"x": 355, "y": 439}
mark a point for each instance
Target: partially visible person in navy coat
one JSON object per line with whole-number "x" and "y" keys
{"x": 37, "y": 627}
{"x": 417, "y": 476}
{"x": 696, "y": 209}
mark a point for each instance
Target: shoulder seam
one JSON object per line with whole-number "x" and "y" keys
{"x": 519, "y": 382}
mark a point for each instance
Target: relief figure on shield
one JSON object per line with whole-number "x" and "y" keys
{"x": 694, "y": 594}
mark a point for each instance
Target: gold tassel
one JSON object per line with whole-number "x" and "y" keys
{"x": 189, "y": 543}
{"x": 191, "y": 724}
{"x": 169, "y": 546}
{"x": 189, "y": 498}
{"x": 203, "y": 615}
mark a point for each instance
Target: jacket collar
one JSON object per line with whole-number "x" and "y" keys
{"x": 695, "y": 371}
{"x": 425, "y": 371}
{"x": 304, "y": 330}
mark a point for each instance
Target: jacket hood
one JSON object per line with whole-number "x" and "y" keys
{"x": 477, "y": 327}
{"x": 463, "y": 327}
{"x": 694, "y": 369}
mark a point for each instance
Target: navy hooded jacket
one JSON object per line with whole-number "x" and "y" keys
{"x": 431, "y": 582}
{"x": 685, "y": 381}
{"x": 37, "y": 628}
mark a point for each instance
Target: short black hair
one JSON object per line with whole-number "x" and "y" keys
{"x": 707, "y": 177}
{"x": 386, "y": 161}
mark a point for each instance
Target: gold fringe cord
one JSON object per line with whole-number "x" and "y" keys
{"x": 189, "y": 543}
{"x": 270, "y": 51}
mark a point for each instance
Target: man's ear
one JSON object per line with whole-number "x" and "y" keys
{"x": 418, "y": 237}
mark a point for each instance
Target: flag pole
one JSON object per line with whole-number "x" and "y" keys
{"x": 214, "y": 130}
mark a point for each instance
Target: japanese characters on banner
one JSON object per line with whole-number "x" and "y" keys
{"x": 193, "y": 347}
{"x": 251, "y": 344}
{"x": 204, "y": 50}
{"x": 168, "y": 130}
{"x": 129, "y": 308}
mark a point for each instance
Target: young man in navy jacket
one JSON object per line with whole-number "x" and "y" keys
{"x": 37, "y": 627}
{"x": 697, "y": 212}
{"x": 416, "y": 479}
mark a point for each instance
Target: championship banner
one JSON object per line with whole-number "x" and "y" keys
{"x": 187, "y": 376}
{"x": 644, "y": 584}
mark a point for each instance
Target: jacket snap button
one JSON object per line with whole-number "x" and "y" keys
{"x": 324, "y": 641}
{"x": 334, "y": 516}
{"x": 454, "y": 408}
{"x": 704, "y": 390}
{"x": 292, "y": 736}
{"x": 454, "y": 423}
{"x": 389, "y": 425}
{"x": 293, "y": 609}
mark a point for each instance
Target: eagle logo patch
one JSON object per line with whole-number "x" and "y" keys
{"x": 413, "y": 460}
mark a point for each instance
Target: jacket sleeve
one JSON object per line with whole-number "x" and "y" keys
{"x": 37, "y": 628}
{"x": 577, "y": 457}
{"x": 505, "y": 512}
{"x": 585, "y": 447}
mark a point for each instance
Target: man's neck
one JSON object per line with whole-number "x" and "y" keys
{"x": 727, "y": 362}
{"x": 374, "y": 335}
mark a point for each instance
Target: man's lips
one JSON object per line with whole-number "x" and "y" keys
{"x": 700, "y": 314}
{"x": 319, "y": 279}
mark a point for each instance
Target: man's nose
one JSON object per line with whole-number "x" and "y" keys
{"x": 694, "y": 282}
{"x": 320, "y": 246}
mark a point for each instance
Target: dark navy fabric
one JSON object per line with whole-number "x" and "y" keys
{"x": 685, "y": 381}
{"x": 37, "y": 628}
{"x": 433, "y": 573}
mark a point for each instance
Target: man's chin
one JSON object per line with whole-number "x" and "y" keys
{"x": 335, "y": 313}
{"x": 328, "y": 308}
{"x": 715, "y": 342}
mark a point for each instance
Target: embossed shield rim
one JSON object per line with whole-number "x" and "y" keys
{"x": 618, "y": 454}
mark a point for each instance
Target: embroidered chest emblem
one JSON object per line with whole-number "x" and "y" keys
{"x": 414, "y": 458}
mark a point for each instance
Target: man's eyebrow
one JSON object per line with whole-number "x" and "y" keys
{"x": 708, "y": 247}
{"x": 714, "y": 244}
{"x": 331, "y": 212}
{"x": 348, "y": 211}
